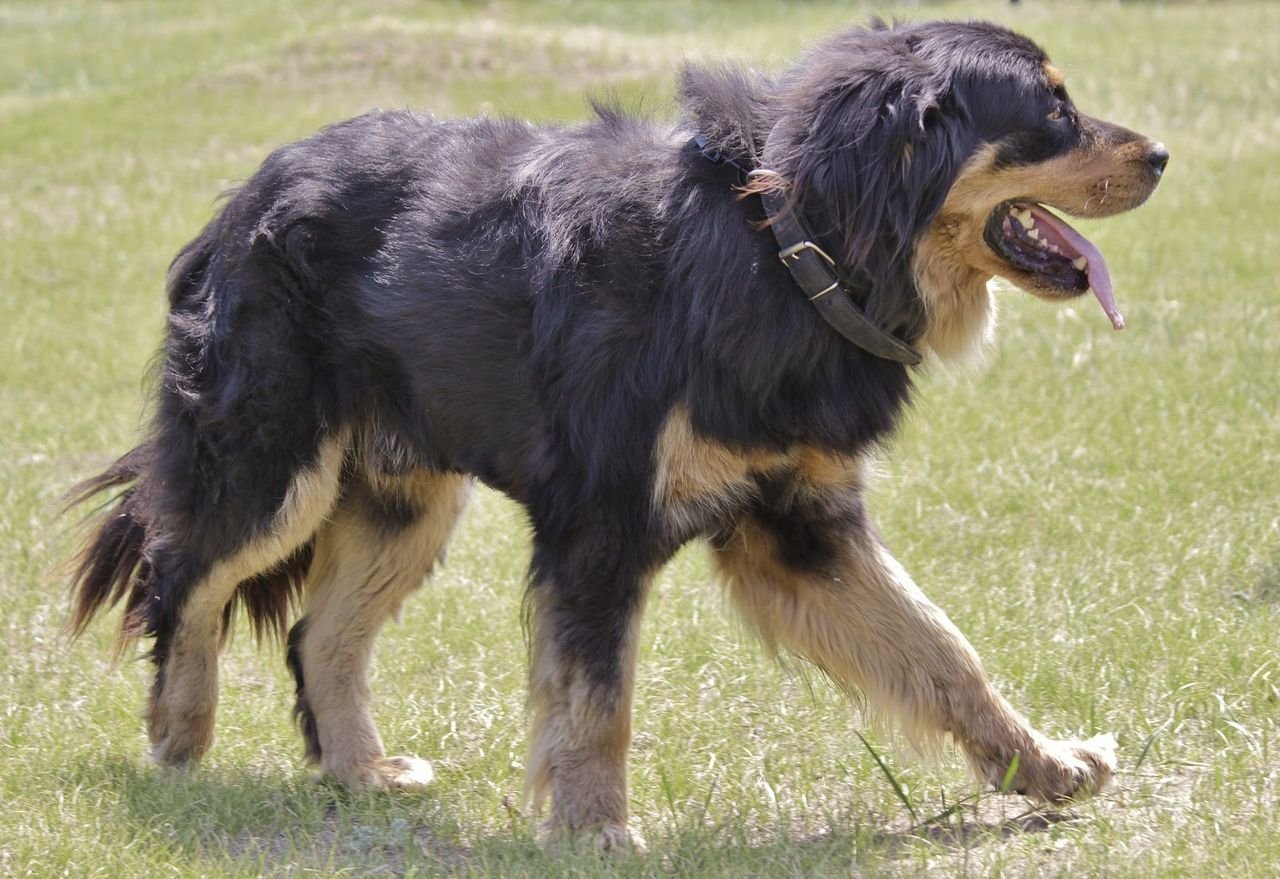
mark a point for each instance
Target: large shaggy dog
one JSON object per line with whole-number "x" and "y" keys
{"x": 595, "y": 320}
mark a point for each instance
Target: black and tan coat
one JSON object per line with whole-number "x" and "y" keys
{"x": 594, "y": 320}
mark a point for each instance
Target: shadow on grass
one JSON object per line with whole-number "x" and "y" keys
{"x": 969, "y": 832}
{"x": 268, "y": 824}
{"x": 246, "y": 824}
{"x": 1266, "y": 590}
{"x": 1262, "y": 586}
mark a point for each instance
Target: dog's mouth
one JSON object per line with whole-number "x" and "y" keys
{"x": 1059, "y": 259}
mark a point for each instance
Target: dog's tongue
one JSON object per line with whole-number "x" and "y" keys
{"x": 1075, "y": 245}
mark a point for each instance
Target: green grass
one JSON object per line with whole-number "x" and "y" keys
{"x": 1100, "y": 513}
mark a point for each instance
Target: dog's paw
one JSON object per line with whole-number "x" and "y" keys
{"x": 1057, "y": 772}
{"x": 180, "y": 734}
{"x": 385, "y": 773}
{"x": 407, "y": 772}
{"x": 617, "y": 838}
{"x": 611, "y": 838}
{"x": 179, "y": 749}
{"x": 167, "y": 755}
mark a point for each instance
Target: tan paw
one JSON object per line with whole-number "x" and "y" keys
{"x": 179, "y": 749}
{"x": 180, "y": 732}
{"x": 613, "y": 838}
{"x": 1061, "y": 771}
{"x": 617, "y": 838}
{"x": 385, "y": 773}
{"x": 408, "y": 772}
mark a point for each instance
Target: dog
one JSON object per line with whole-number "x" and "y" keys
{"x": 644, "y": 335}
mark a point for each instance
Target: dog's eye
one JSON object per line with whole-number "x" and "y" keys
{"x": 1055, "y": 115}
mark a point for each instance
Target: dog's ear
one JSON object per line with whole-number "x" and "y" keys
{"x": 870, "y": 153}
{"x": 876, "y": 163}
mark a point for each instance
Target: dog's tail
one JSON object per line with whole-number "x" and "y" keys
{"x": 150, "y": 534}
{"x": 111, "y": 565}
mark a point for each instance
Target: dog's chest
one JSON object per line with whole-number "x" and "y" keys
{"x": 701, "y": 484}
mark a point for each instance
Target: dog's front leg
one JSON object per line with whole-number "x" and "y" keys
{"x": 814, "y": 578}
{"x": 584, "y": 627}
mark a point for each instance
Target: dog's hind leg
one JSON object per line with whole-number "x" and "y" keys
{"x": 184, "y": 696}
{"x": 381, "y": 541}
{"x": 809, "y": 572}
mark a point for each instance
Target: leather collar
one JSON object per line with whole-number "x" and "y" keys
{"x": 815, "y": 271}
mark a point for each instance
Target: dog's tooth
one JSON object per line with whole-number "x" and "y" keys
{"x": 1033, "y": 233}
{"x": 1080, "y": 262}
{"x": 1024, "y": 217}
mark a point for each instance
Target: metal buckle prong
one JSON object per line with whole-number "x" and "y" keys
{"x": 794, "y": 251}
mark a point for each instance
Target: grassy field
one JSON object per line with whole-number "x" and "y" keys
{"x": 1099, "y": 512}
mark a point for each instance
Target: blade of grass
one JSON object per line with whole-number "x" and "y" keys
{"x": 1009, "y": 773}
{"x": 897, "y": 788}
{"x": 1146, "y": 746}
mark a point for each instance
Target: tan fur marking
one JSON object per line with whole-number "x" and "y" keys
{"x": 359, "y": 578}
{"x": 1097, "y": 181}
{"x": 961, "y": 312}
{"x": 696, "y": 475}
{"x": 180, "y": 722}
{"x": 826, "y": 471}
{"x": 1054, "y": 75}
{"x": 578, "y": 742}
{"x": 953, "y": 262}
{"x": 870, "y": 628}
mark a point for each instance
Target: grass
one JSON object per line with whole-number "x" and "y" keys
{"x": 1100, "y": 513}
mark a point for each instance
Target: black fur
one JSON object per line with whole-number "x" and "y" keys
{"x": 267, "y": 597}
{"x": 302, "y": 713}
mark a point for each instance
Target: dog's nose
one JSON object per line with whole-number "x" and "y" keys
{"x": 1158, "y": 158}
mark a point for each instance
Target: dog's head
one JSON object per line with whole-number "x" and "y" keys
{"x": 929, "y": 155}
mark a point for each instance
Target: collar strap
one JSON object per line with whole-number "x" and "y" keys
{"x": 814, "y": 271}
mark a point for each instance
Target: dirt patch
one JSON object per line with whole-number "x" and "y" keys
{"x": 366, "y": 848}
{"x": 387, "y": 53}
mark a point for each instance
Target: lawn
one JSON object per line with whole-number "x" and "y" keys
{"x": 1099, "y": 512}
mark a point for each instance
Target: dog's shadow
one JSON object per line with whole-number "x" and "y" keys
{"x": 284, "y": 825}
{"x": 855, "y": 846}
{"x": 276, "y": 823}
{"x": 969, "y": 830}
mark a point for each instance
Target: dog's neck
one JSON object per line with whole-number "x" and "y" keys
{"x": 815, "y": 272}
{"x": 959, "y": 310}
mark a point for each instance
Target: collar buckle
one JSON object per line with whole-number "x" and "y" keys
{"x": 793, "y": 252}
{"x": 818, "y": 278}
